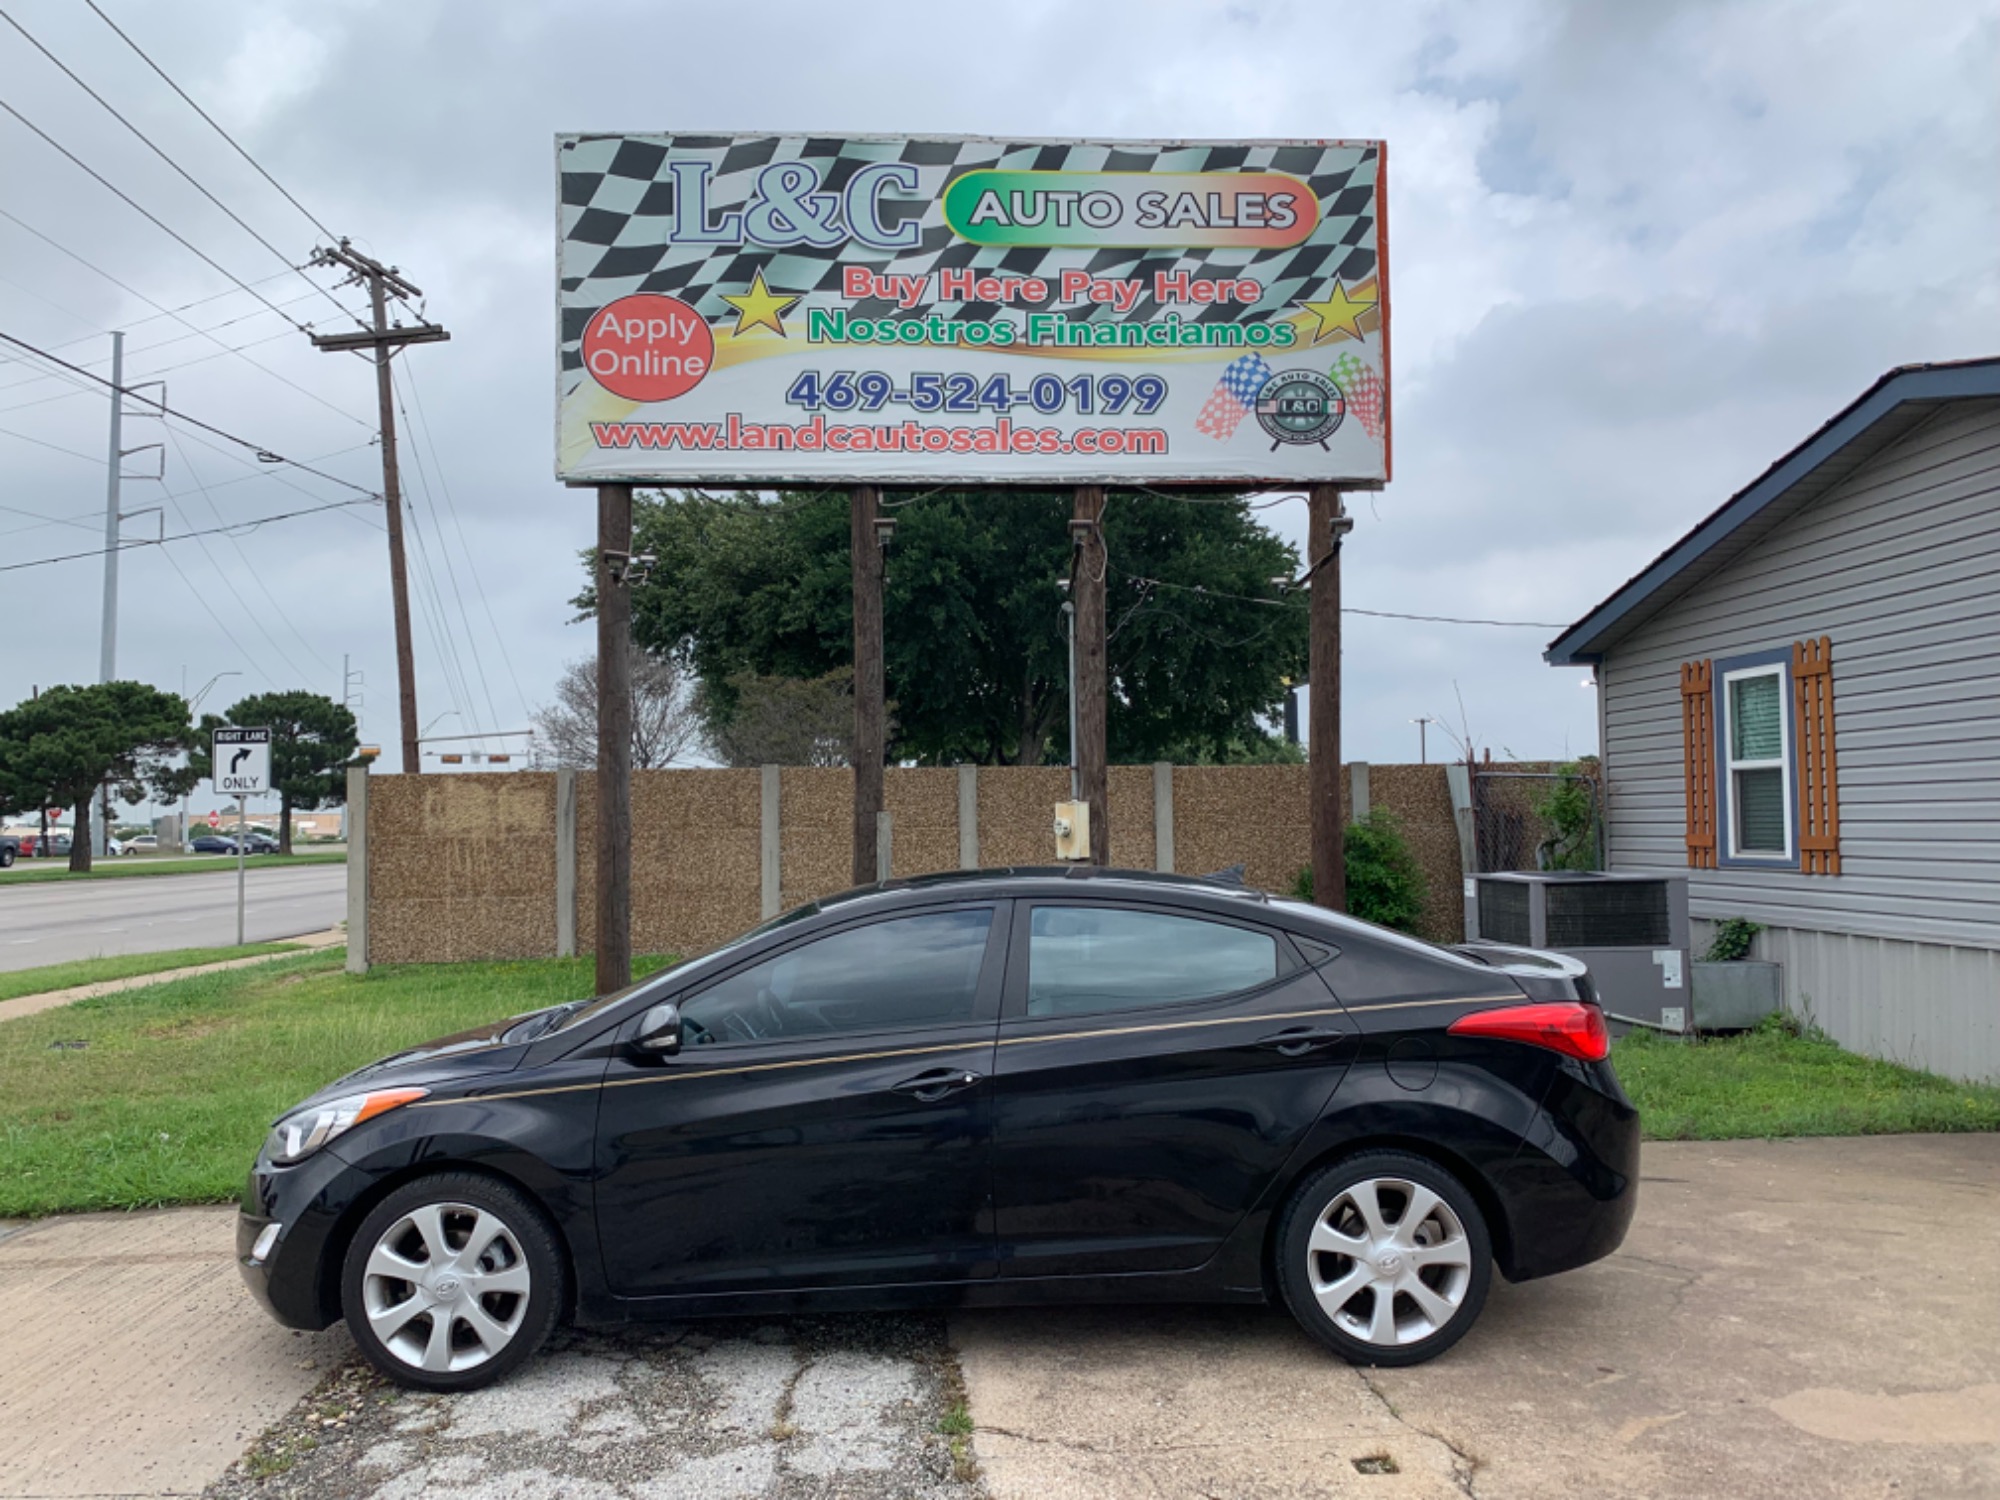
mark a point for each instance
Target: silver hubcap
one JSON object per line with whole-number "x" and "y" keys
{"x": 446, "y": 1287}
{"x": 1389, "y": 1262}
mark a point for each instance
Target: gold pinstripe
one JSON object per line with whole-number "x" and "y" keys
{"x": 1005, "y": 1041}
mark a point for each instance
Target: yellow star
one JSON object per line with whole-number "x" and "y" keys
{"x": 758, "y": 308}
{"x": 1338, "y": 313}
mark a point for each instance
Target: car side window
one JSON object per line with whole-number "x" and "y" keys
{"x": 1085, "y": 960}
{"x": 920, "y": 970}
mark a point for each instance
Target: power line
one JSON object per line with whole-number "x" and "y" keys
{"x": 147, "y": 378}
{"x": 478, "y": 583}
{"x": 264, "y": 455}
{"x": 1346, "y": 609}
{"x": 179, "y": 338}
{"x": 81, "y": 520}
{"x": 155, "y": 148}
{"x": 175, "y": 315}
{"x": 151, "y": 217}
{"x": 451, "y": 569}
{"x": 255, "y": 577}
{"x": 89, "y": 458}
{"x": 310, "y": 217}
{"x": 182, "y": 536}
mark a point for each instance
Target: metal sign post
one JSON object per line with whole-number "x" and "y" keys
{"x": 241, "y": 839}
{"x": 240, "y": 768}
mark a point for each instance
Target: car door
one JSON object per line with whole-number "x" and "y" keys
{"x": 827, "y": 1121}
{"x": 1156, "y": 1067}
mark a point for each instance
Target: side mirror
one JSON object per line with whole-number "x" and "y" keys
{"x": 660, "y": 1030}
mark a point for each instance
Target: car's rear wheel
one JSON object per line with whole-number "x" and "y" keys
{"x": 452, "y": 1282}
{"x": 1385, "y": 1258}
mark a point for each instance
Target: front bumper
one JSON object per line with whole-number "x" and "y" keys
{"x": 297, "y": 1281}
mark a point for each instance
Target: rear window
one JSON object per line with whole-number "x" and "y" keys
{"x": 1086, "y": 960}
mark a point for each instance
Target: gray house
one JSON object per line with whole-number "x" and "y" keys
{"x": 1799, "y": 705}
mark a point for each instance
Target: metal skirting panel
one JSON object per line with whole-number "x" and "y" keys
{"x": 1934, "y": 1006}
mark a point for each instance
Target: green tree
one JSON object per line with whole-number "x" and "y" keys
{"x": 975, "y": 657}
{"x": 1385, "y": 884}
{"x": 58, "y": 748}
{"x": 312, "y": 740}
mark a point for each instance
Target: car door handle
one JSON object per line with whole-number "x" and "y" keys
{"x": 1297, "y": 1041}
{"x": 936, "y": 1083}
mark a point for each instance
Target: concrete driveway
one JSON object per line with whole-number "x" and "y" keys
{"x": 1811, "y": 1318}
{"x": 1802, "y": 1319}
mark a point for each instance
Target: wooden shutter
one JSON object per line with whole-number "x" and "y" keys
{"x": 1698, "y": 740}
{"x": 1819, "y": 790}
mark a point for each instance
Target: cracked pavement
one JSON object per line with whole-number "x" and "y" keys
{"x": 781, "y": 1410}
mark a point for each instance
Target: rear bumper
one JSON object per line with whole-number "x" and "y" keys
{"x": 1572, "y": 1188}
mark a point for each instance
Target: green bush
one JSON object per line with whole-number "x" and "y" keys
{"x": 1731, "y": 941}
{"x": 1384, "y": 883}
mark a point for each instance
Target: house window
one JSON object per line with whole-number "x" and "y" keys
{"x": 1757, "y": 741}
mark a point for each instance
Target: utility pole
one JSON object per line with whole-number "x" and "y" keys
{"x": 1328, "y": 522}
{"x": 614, "y": 737}
{"x": 107, "y": 634}
{"x": 381, "y": 281}
{"x": 1093, "y": 683}
{"x": 868, "y": 535}
{"x": 1423, "y": 724}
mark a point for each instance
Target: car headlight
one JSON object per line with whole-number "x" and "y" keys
{"x": 303, "y": 1132}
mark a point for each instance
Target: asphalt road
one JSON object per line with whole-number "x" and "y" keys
{"x": 65, "y": 920}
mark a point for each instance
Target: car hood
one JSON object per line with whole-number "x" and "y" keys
{"x": 463, "y": 1054}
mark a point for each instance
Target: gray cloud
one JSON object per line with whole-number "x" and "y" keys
{"x": 1637, "y": 252}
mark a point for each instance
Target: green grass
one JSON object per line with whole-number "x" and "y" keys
{"x": 40, "y": 981}
{"x": 1777, "y": 1082}
{"x": 174, "y": 1086}
{"x": 39, "y": 871}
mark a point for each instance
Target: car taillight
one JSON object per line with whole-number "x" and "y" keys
{"x": 1573, "y": 1029}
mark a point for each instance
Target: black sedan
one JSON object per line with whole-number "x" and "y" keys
{"x": 1003, "y": 1087}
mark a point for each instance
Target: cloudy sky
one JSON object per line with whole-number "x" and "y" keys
{"x": 1638, "y": 251}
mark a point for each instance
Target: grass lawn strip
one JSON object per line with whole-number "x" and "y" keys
{"x": 1777, "y": 1082}
{"x": 19, "y": 982}
{"x": 41, "y": 872}
{"x": 163, "y": 1094}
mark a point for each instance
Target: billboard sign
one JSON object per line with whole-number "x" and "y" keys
{"x": 766, "y": 308}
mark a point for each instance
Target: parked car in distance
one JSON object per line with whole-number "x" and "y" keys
{"x": 212, "y": 843}
{"x": 115, "y": 847}
{"x": 145, "y": 843}
{"x": 1006, "y": 1086}
{"x": 260, "y": 842}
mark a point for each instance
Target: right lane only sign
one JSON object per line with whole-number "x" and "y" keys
{"x": 242, "y": 763}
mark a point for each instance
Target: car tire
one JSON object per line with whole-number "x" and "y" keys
{"x": 1366, "y": 1280}
{"x": 482, "y": 1259}
{"x": 6, "y": 859}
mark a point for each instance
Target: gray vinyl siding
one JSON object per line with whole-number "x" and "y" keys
{"x": 1900, "y": 565}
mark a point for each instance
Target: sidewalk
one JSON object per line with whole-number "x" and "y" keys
{"x": 28, "y": 1005}
{"x": 135, "y": 1361}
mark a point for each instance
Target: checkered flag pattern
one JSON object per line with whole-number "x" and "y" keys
{"x": 618, "y": 203}
{"x": 1234, "y": 397}
{"x": 1362, "y": 387}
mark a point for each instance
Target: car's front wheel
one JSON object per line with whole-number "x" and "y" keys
{"x": 1385, "y": 1258}
{"x": 452, "y": 1282}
